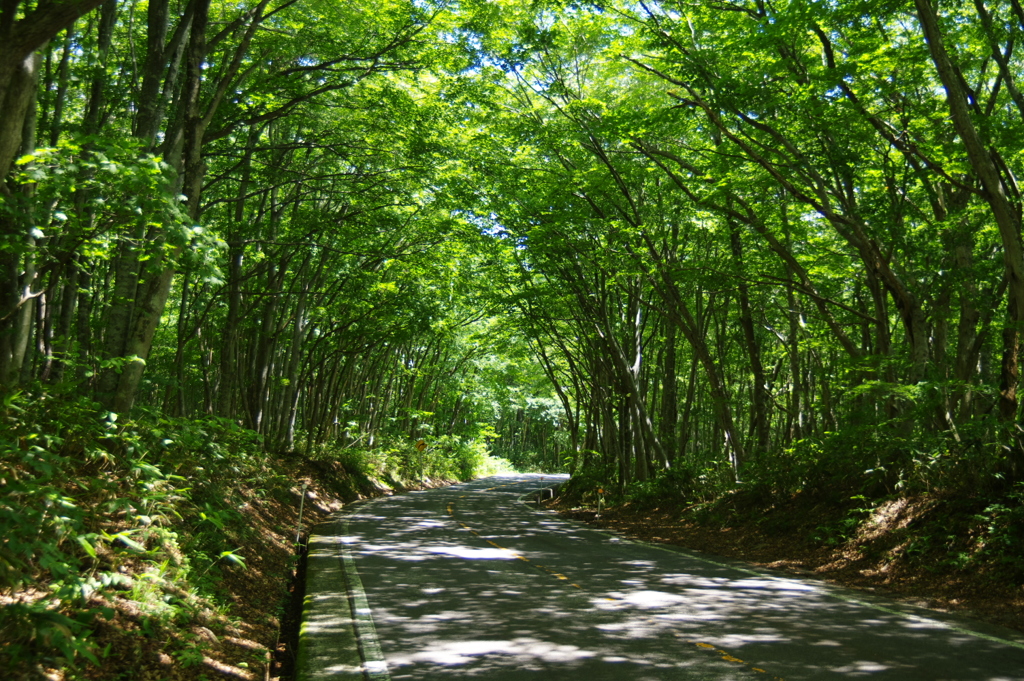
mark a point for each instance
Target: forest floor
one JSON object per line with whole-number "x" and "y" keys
{"x": 913, "y": 549}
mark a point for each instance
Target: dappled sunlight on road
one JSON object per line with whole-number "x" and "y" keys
{"x": 466, "y": 581}
{"x": 525, "y": 649}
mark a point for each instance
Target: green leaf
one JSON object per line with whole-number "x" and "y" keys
{"x": 233, "y": 558}
{"x": 129, "y": 542}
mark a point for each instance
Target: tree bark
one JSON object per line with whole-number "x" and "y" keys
{"x": 1004, "y": 211}
{"x": 760, "y": 427}
{"x": 19, "y": 39}
{"x": 157, "y": 287}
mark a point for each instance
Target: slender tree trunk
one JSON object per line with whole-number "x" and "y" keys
{"x": 759, "y": 423}
{"x": 795, "y": 430}
{"x": 22, "y": 326}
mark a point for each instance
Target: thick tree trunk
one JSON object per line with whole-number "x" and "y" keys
{"x": 157, "y": 287}
{"x": 1004, "y": 212}
{"x": 149, "y": 309}
{"x": 117, "y": 319}
{"x": 19, "y": 39}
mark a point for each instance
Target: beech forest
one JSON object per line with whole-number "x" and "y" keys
{"x": 685, "y": 252}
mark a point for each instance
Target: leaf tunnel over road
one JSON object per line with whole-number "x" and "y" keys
{"x": 468, "y": 581}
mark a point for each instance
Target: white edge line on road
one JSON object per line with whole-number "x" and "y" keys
{"x": 825, "y": 588}
{"x": 374, "y": 666}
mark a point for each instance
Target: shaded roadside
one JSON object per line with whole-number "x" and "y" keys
{"x": 804, "y": 536}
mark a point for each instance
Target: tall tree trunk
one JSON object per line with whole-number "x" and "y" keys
{"x": 759, "y": 424}
{"x": 157, "y": 287}
{"x": 22, "y": 327}
{"x": 1004, "y": 211}
{"x": 669, "y": 419}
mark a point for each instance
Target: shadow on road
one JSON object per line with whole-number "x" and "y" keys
{"x": 465, "y": 582}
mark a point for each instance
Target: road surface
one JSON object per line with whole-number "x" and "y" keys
{"x": 471, "y": 582}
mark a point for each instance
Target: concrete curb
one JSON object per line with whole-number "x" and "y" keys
{"x": 337, "y": 639}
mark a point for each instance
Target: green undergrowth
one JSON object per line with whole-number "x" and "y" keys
{"x": 142, "y": 523}
{"x": 932, "y": 532}
{"x": 940, "y": 507}
{"x": 395, "y": 462}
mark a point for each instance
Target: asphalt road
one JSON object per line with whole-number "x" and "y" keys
{"x": 470, "y": 582}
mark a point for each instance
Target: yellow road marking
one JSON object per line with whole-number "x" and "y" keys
{"x": 509, "y": 484}
{"x": 728, "y": 657}
{"x": 451, "y": 512}
{"x": 707, "y": 646}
